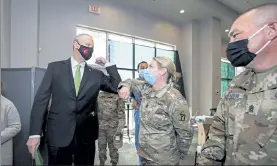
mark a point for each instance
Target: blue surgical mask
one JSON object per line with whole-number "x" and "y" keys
{"x": 148, "y": 76}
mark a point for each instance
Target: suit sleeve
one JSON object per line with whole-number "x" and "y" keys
{"x": 110, "y": 83}
{"x": 214, "y": 148}
{"x": 41, "y": 102}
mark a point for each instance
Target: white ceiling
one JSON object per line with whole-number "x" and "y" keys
{"x": 225, "y": 10}
{"x": 242, "y": 5}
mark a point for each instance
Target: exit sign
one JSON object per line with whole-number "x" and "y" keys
{"x": 94, "y": 9}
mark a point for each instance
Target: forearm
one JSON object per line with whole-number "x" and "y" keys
{"x": 127, "y": 83}
{"x": 214, "y": 144}
{"x": 9, "y": 132}
{"x": 184, "y": 139}
{"x": 214, "y": 147}
{"x": 13, "y": 124}
{"x": 134, "y": 85}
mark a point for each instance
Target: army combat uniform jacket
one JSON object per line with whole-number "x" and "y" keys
{"x": 165, "y": 133}
{"x": 111, "y": 111}
{"x": 244, "y": 128}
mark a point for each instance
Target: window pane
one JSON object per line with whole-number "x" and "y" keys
{"x": 239, "y": 70}
{"x": 227, "y": 70}
{"x": 125, "y": 74}
{"x": 167, "y": 53}
{"x": 165, "y": 47}
{"x": 100, "y": 43}
{"x": 136, "y": 75}
{"x": 121, "y": 54}
{"x": 144, "y": 43}
{"x": 231, "y": 71}
{"x": 224, "y": 70}
{"x": 120, "y": 38}
{"x": 224, "y": 86}
{"x": 143, "y": 53}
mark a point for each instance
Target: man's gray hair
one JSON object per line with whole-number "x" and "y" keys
{"x": 264, "y": 13}
{"x": 79, "y": 36}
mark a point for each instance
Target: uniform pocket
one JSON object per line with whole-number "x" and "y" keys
{"x": 266, "y": 125}
{"x": 266, "y": 122}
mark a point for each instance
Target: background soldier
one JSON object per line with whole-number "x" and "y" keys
{"x": 244, "y": 129}
{"x": 111, "y": 115}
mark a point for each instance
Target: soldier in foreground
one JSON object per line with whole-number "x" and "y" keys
{"x": 244, "y": 129}
{"x": 111, "y": 115}
{"x": 165, "y": 134}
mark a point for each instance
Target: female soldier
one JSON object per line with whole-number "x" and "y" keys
{"x": 165, "y": 133}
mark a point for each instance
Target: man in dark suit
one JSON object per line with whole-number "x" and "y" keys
{"x": 72, "y": 124}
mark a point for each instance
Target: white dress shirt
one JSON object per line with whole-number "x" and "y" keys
{"x": 74, "y": 64}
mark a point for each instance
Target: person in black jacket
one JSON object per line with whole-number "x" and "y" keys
{"x": 72, "y": 124}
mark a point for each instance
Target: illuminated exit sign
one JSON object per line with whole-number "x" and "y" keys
{"x": 94, "y": 9}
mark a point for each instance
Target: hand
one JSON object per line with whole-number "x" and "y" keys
{"x": 119, "y": 130}
{"x": 135, "y": 104}
{"x": 32, "y": 144}
{"x": 124, "y": 93}
{"x": 101, "y": 61}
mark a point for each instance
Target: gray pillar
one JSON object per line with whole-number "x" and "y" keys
{"x": 190, "y": 50}
{"x": 1, "y": 50}
{"x": 24, "y": 33}
{"x": 210, "y": 57}
{"x": 202, "y": 54}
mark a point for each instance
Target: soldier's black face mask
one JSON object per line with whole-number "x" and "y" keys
{"x": 86, "y": 52}
{"x": 238, "y": 53}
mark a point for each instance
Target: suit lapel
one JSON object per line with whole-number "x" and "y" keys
{"x": 85, "y": 77}
{"x": 70, "y": 76}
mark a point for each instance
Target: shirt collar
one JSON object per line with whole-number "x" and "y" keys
{"x": 160, "y": 93}
{"x": 74, "y": 63}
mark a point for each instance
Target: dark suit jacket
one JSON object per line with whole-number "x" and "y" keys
{"x": 69, "y": 114}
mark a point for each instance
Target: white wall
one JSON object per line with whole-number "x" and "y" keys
{"x": 51, "y": 26}
{"x": 57, "y": 22}
{"x": 5, "y": 57}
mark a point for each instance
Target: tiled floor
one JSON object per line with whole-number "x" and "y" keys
{"x": 128, "y": 155}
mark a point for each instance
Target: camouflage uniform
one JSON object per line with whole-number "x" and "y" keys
{"x": 165, "y": 133}
{"x": 244, "y": 128}
{"x": 111, "y": 115}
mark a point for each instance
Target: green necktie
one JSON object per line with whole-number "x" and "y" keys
{"x": 77, "y": 78}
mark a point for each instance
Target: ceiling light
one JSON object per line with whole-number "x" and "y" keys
{"x": 182, "y": 11}
{"x": 227, "y": 30}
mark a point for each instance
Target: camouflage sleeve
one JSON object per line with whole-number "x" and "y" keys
{"x": 181, "y": 124}
{"x": 214, "y": 147}
{"x": 132, "y": 84}
{"x": 121, "y": 113}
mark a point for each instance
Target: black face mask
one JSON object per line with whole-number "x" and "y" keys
{"x": 238, "y": 53}
{"x": 86, "y": 52}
